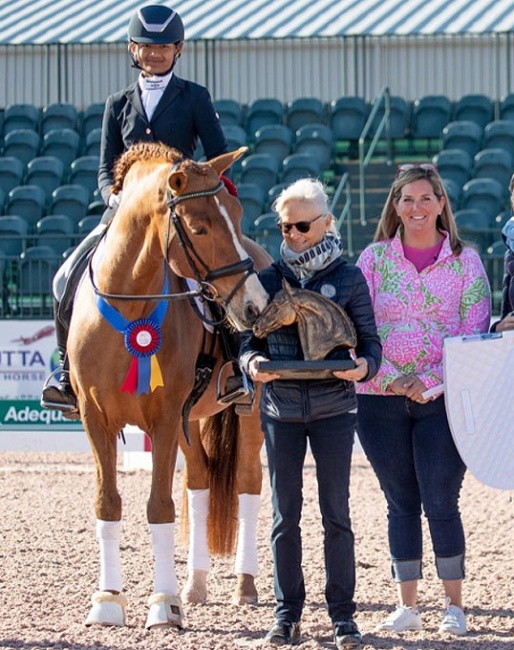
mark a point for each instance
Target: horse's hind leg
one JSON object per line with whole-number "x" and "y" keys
{"x": 197, "y": 493}
{"x": 108, "y": 604}
{"x": 249, "y": 481}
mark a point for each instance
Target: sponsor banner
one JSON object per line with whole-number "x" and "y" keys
{"x": 28, "y": 414}
{"x": 28, "y": 354}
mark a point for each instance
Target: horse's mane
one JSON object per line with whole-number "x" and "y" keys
{"x": 149, "y": 151}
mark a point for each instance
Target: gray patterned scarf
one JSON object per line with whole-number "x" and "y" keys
{"x": 307, "y": 263}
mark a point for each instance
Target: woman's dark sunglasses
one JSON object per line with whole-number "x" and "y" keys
{"x": 301, "y": 226}
{"x": 407, "y": 167}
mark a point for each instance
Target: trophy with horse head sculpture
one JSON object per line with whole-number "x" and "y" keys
{"x": 323, "y": 327}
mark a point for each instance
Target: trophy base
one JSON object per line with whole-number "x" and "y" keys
{"x": 323, "y": 369}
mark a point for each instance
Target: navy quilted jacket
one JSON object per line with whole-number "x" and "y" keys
{"x": 304, "y": 400}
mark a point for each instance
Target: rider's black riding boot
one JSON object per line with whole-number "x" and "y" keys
{"x": 61, "y": 397}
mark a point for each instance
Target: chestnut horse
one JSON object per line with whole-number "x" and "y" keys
{"x": 134, "y": 341}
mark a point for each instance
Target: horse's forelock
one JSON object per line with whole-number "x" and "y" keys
{"x": 140, "y": 152}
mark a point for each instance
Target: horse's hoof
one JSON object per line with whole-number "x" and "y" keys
{"x": 165, "y": 611}
{"x": 245, "y": 592}
{"x": 194, "y": 591}
{"x": 107, "y": 609}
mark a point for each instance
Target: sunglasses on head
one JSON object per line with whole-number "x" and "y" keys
{"x": 407, "y": 167}
{"x": 301, "y": 226}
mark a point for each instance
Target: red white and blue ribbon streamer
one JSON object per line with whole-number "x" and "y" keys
{"x": 143, "y": 338}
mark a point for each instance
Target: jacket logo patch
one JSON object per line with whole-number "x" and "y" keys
{"x": 328, "y": 290}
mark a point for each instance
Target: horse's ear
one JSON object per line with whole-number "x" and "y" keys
{"x": 287, "y": 287}
{"x": 177, "y": 181}
{"x": 223, "y": 162}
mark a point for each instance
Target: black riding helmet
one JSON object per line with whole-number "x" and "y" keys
{"x": 156, "y": 24}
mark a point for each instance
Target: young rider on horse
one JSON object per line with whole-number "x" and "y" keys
{"x": 158, "y": 107}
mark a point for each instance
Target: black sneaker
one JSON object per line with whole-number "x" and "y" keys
{"x": 346, "y": 634}
{"x": 284, "y": 633}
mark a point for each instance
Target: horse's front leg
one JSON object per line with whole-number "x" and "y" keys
{"x": 108, "y": 603}
{"x": 249, "y": 482}
{"x": 165, "y": 604}
{"x": 197, "y": 492}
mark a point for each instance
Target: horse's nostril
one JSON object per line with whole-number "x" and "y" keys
{"x": 251, "y": 313}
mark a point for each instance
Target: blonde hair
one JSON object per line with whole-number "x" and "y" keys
{"x": 390, "y": 221}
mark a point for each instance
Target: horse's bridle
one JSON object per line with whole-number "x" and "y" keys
{"x": 205, "y": 290}
{"x": 245, "y": 267}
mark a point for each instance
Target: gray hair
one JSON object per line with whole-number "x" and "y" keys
{"x": 310, "y": 190}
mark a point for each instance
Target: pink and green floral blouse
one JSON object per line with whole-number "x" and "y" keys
{"x": 415, "y": 312}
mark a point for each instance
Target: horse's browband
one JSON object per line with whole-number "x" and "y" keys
{"x": 173, "y": 201}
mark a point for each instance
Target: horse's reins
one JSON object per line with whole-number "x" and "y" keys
{"x": 205, "y": 290}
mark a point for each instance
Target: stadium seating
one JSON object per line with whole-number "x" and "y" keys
{"x": 400, "y": 113}
{"x": 59, "y": 116}
{"x": 84, "y": 171}
{"x": 47, "y": 172}
{"x": 463, "y": 134}
{"x": 348, "y": 117}
{"x": 91, "y": 119}
{"x": 316, "y": 140}
{"x": 71, "y": 200}
{"x": 267, "y": 233}
{"x": 61, "y": 143}
{"x": 27, "y": 201}
{"x": 474, "y": 226}
{"x": 299, "y": 165}
{"x": 493, "y": 163}
{"x": 23, "y": 144}
{"x": 500, "y": 134}
{"x": 454, "y": 164}
{"x": 304, "y": 110}
{"x": 260, "y": 169}
{"x": 274, "y": 139}
{"x": 20, "y": 116}
{"x": 263, "y": 111}
{"x": 91, "y": 146}
{"x": 430, "y": 114}
{"x": 475, "y": 108}
{"x": 11, "y": 173}
{"x": 507, "y": 107}
{"x": 13, "y": 234}
{"x": 486, "y": 195}
{"x": 251, "y": 197}
{"x": 229, "y": 111}
{"x": 36, "y": 269}
{"x": 87, "y": 224}
{"x": 55, "y": 231}
{"x": 454, "y": 192}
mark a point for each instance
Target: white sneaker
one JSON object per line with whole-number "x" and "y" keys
{"x": 402, "y": 619}
{"x": 454, "y": 620}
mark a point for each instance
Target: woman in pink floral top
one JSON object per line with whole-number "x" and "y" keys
{"x": 426, "y": 285}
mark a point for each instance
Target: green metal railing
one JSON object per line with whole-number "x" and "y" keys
{"x": 383, "y": 98}
{"x": 344, "y": 185}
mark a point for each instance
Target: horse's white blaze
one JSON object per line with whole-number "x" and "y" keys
{"x": 252, "y": 285}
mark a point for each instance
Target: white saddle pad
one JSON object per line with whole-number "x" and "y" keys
{"x": 479, "y": 398}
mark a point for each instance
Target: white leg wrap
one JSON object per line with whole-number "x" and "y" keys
{"x": 246, "y": 553}
{"x": 108, "y": 534}
{"x": 165, "y": 578}
{"x": 198, "y": 553}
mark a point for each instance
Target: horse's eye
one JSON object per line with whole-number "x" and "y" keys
{"x": 199, "y": 230}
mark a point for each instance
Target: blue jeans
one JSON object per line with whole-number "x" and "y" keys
{"x": 411, "y": 449}
{"x": 331, "y": 442}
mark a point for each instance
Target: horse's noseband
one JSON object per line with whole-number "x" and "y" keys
{"x": 206, "y": 275}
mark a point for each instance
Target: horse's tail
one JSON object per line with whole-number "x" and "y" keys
{"x": 221, "y": 434}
